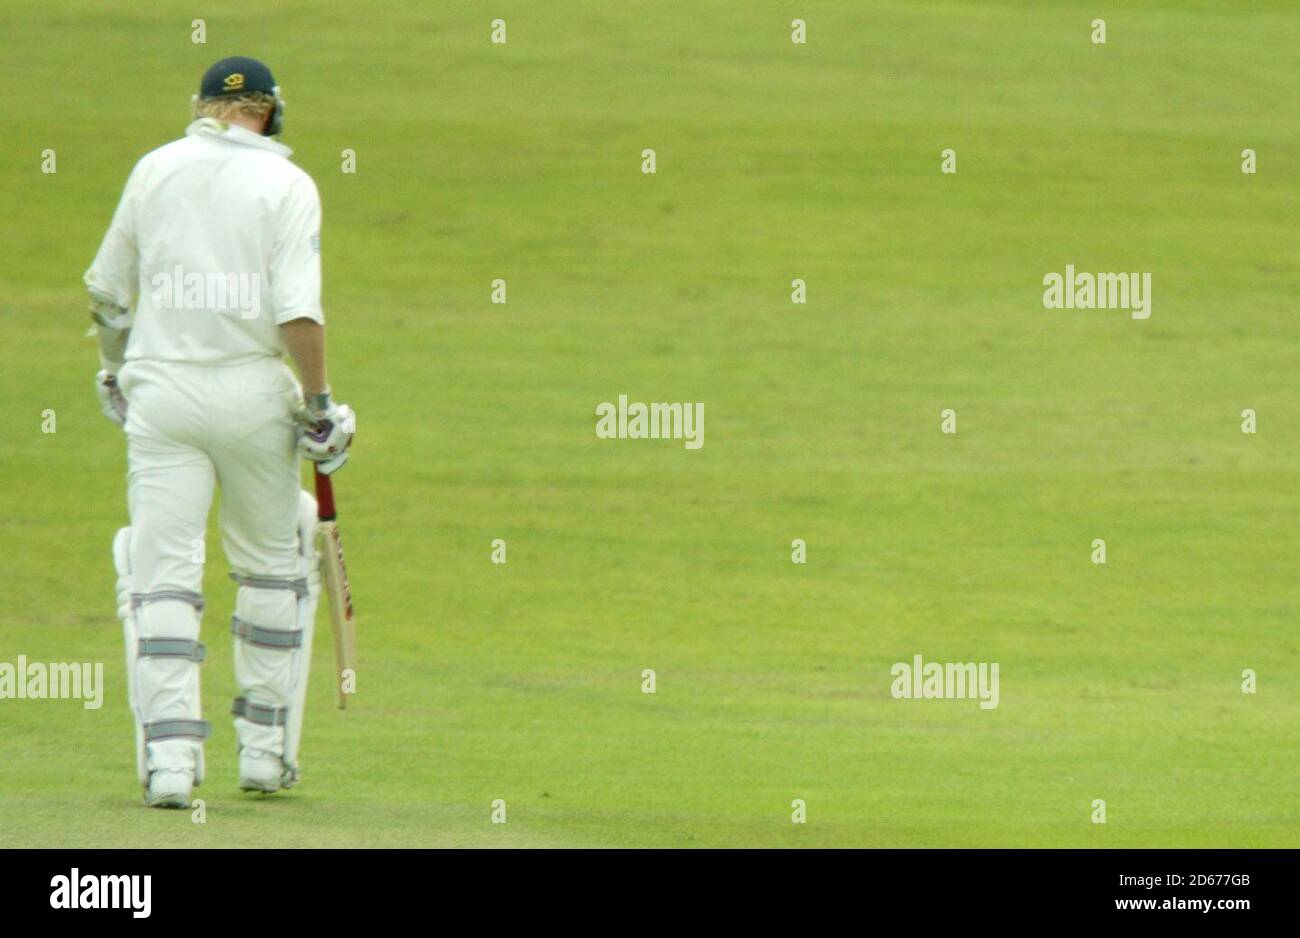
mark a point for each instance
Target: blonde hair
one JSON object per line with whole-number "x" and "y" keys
{"x": 256, "y": 104}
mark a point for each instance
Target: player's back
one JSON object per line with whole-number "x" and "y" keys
{"x": 224, "y": 231}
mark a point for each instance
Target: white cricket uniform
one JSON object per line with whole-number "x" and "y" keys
{"x": 214, "y": 244}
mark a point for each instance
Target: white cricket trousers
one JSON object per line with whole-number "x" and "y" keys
{"x": 189, "y": 429}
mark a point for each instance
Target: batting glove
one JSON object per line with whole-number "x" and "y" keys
{"x": 111, "y": 401}
{"x": 327, "y": 431}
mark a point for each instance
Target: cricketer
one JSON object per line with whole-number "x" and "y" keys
{"x": 208, "y": 278}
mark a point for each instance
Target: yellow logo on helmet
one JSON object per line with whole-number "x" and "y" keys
{"x": 234, "y": 82}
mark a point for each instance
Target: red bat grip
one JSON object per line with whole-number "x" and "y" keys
{"x": 324, "y": 496}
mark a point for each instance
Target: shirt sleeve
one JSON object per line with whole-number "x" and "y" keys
{"x": 114, "y": 272}
{"x": 295, "y": 257}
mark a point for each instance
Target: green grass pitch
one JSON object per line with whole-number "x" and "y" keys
{"x": 523, "y": 681}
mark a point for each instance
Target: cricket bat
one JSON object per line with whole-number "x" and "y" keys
{"x": 338, "y": 592}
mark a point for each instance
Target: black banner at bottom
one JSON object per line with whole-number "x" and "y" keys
{"x": 348, "y": 888}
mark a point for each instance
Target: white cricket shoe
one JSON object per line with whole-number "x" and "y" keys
{"x": 169, "y": 788}
{"x": 260, "y": 771}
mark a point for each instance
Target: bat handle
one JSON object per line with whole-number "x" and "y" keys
{"x": 324, "y": 496}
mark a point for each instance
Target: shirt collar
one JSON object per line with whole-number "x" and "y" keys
{"x": 210, "y": 127}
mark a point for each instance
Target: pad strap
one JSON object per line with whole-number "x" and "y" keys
{"x": 172, "y": 648}
{"x": 299, "y": 586}
{"x": 174, "y": 729}
{"x": 287, "y": 639}
{"x": 259, "y": 714}
{"x": 180, "y": 596}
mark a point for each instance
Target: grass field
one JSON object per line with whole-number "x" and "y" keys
{"x": 775, "y": 161}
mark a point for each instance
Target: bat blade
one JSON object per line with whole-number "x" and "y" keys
{"x": 338, "y": 591}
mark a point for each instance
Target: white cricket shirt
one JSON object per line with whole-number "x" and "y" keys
{"x": 216, "y": 241}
